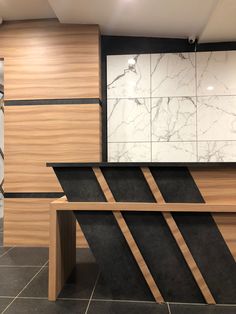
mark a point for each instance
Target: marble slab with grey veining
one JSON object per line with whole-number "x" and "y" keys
{"x": 216, "y": 118}
{"x": 129, "y": 152}
{"x": 174, "y": 119}
{"x": 128, "y": 76}
{"x": 216, "y": 73}
{"x": 174, "y": 152}
{"x": 128, "y": 120}
{"x": 173, "y": 74}
{"x": 217, "y": 151}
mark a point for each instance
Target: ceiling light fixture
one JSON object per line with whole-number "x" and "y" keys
{"x": 131, "y": 61}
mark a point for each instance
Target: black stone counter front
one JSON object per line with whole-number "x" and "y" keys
{"x": 120, "y": 275}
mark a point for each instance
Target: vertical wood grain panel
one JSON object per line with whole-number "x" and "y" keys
{"x": 219, "y": 186}
{"x": 35, "y": 135}
{"x": 46, "y": 59}
{"x": 26, "y": 223}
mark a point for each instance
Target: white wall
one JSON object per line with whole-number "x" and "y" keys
{"x": 172, "y": 107}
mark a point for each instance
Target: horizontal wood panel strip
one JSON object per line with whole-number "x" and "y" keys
{"x": 128, "y": 206}
{"x": 47, "y": 59}
{"x": 33, "y": 102}
{"x": 35, "y": 135}
{"x": 26, "y": 223}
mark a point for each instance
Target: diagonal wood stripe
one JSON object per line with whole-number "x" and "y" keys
{"x": 179, "y": 238}
{"x": 1, "y": 153}
{"x": 129, "y": 238}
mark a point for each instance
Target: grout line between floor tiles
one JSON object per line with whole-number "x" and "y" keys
{"x": 91, "y": 296}
{"x": 35, "y": 275}
{"x": 11, "y": 248}
{"x": 124, "y": 301}
{"x": 168, "y": 307}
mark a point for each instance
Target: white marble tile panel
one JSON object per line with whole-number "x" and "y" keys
{"x": 217, "y": 151}
{"x": 174, "y": 119}
{"x": 174, "y": 152}
{"x": 216, "y": 118}
{"x": 128, "y": 76}
{"x": 1, "y": 130}
{"x": 128, "y": 120}
{"x": 173, "y": 74}
{"x": 216, "y": 73}
{"x": 129, "y": 152}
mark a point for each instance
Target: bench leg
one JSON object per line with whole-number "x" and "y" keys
{"x": 62, "y": 250}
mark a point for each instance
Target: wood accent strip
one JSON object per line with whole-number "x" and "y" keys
{"x": 62, "y": 250}
{"x": 129, "y": 238}
{"x": 179, "y": 239}
{"x": 152, "y": 207}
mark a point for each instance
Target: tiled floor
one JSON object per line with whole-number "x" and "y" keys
{"x": 23, "y": 289}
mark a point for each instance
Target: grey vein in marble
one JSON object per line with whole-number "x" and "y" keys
{"x": 217, "y": 118}
{"x": 216, "y": 73}
{"x": 125, "y": 79}
{"x": 217, "y": 151}
{"x": 174, "y": 119}
{"x": 173, "y": 74}
{"x": 128, "y": 120}
{"x": 129, "y": 152}
{"x": 174, "y": 152}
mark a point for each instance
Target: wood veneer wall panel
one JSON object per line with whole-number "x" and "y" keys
{"x": 49, "y": 60}
{"x": 38, "y": 134}
{"x": 26, "y": 223}
{"x": 219, "y": 186}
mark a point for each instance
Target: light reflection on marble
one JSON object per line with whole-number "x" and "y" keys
{"x": 216, "y": 73}
{"x": 126, "y": 80}
{"x": 174, "y": 119}
{"x": 173, "y": 74}
{"x": 217, "y": 151}
{"x": 174, "y": 152}
{"x": 129, "y": 152}
{"x": 128, "y": 120}
{"x": 217, "y": 118}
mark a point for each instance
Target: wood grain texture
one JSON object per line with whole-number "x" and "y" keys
{"x": 129, "y": 238}
{"x": 219, "y": 186}
{"x": 47, "y": 60}
{"x": 62, "y": 250}
{"x": 179, "y": 239}
{"x": 26, "y": 223}
{"x": 38, "y": 134}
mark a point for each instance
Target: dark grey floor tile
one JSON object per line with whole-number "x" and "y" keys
{"x": 4, "y": 303}
{"x": 113, "y": 307}
{"x": 81, "y": 282}
{"x": 84, "y": 256}
{"x": 25, "y": 257}
{"x": 14, "y": 279}
{"x": 38, "y": 287}
{"x": 79, "y": 285}
{"x": 201, "y": 309}
{"x": 1, "y": 224}
{"x": 33, "y": 306}
{"x": 3, "y": 250}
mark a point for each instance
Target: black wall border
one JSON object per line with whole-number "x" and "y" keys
{"x": 118, "y": 45}
{"x": 33, "y": 194}
{"x": 65, "y": 101}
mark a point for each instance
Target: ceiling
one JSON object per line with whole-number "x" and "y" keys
{"x": 209, "y": 20}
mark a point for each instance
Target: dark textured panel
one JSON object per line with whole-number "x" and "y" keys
{"x": 33, "y": 195}
{"x": 33, "y": 102}
{"x": 118, "y": 267}
{"x": 128, "y": 184}
{"x": 79, "y": 184}
{"x": 163, "y": 257}
{"x": 211, "y": 254}
{"x": 201, "y": 233}
{"x": 177, "y": 185}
